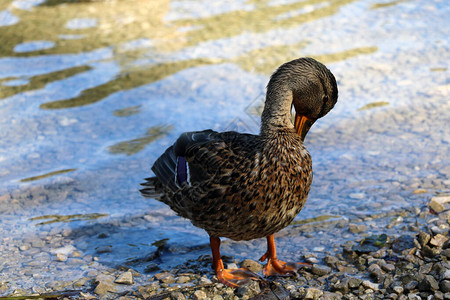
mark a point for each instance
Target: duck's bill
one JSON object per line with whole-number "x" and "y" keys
{"x": 302, "y": 125}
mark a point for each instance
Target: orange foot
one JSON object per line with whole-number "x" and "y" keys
{"x": 278, "y": 267}
{"x": 234, "y": 278}
{"x": 274, "y": 265}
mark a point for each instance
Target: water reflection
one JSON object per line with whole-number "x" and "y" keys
{"x": 40, "y": 81}
{"x": 47, "y": 175}
{"x": 136, "y": 145}
{"x": 67, "y": 218}
{"x": 125, "y": 81}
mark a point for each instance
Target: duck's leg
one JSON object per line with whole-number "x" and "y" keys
{"x": 274, "y": 265}
{"x": 232, "y": 278}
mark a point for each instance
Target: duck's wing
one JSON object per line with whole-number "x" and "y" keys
{"x": 197, "y": 157}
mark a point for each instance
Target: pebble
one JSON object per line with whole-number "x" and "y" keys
{"x": 438, "y": 240}
{"x": 104, "y": 287}
{"x": 313, "y": 293}
{"x": 354, "y": 228}
{"x": 183, "y": 279}
{"x": 165, "y": 277}
{"x": 320, "y": 270}
{"x": 61, "y": 257}
{"x": 398, "y": 289}
{"x": 424, "y": 238}
{"x": 199, "y": 295}
{"x": 370, "y": 285}
{"x": 125, "y": 278}
{"x": 248, "y": 290}
{"x": 252, "y": 265}
{"x": 445, "y": 286}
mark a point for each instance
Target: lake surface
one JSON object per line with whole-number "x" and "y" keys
{"x": 92, "y": 92}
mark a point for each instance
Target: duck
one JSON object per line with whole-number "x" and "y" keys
{"x": 245, "y": 186}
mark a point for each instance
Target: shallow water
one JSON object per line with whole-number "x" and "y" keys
{"x": 92, "y": 92}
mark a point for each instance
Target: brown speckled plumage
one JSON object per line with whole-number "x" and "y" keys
{"x": 244, "y": 186}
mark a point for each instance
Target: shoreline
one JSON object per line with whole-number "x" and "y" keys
{"x": 408, "y": 261}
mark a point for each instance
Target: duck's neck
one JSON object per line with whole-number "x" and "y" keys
{"x": 276, "y": 115}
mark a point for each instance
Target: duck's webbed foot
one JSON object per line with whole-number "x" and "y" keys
{"x": 274, "y": 265}
{"x": 234, "y": 277}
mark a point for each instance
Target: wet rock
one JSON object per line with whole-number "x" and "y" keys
{"x": 204, "y": 280}
{"x": 248, "y": 290}
{"x": 370, "y": 285}
{"x": 402, "y": 243}
{"x": 87, "y": 296}
{"x": 183, "y": 279}
{"x": 375, "y": 271}
{"x": 445, "y": 286}
{"x": 331, "y": 296}
{"x": 151, "y": 268}
{"x": 354, "y": 283}
{"x": 438, "y": 240}
{"x": 330, "y": 260}
{"x": 177, "y": 296}
{"x": 423, "y": 238}
{"x": 252, "y": 265}
{"x": 103, "y": 288}
{"x": 445, "y": 275}
{"x": 125, "y": 278}
{"x": 446, "y": 253}
{"x": 354, "y": 228}
{"x": 398, "y": 289}
{"x": 388, "y": 267}
{"x": 199, "y": 295}
{"x": 320, "y": 270}
{"x": 428, "y": 284}
{"x": 165, "y": 277}
{"x": 103, "y": 249}
{"x": 61, "y": 257}
{"x": 429, "y": 252}
{"x": 411, "y": 285}
{"x": 341, "y": 286}
{"x": 313, "y": 293}
{"x": 438, "y": 203}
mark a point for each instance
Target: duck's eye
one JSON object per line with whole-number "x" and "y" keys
{"x": 325, "y": 98}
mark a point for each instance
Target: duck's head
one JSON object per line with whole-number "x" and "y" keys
{"x": 305, "y": 84}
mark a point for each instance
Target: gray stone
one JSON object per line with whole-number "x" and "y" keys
{"x": 375, "y": 271}
{"x": 411, "y": 285}
{"x": 320, "y": 270}
{"x": 445, "y": 275}
{"x": 252, "y": 265}
{"x": 446, "y": 253}
{"x": 248, "y": 290}
{"x": 313, "y": 293}
{"x": 445, "y": 286}
{"x": 388, "y": 267}
{"x": 354, "y": 283}
{"x": 168, "y": 278}
{"x": 331, "y": 296}
{"x": 424, "y": 238}
{"x": 370, "y": 285}
{"x": 125, "y": 278}
{"x": 183, "y": 279}
{"x": 103, "y": 249}
{"x": 398, "y": 289}
{"x": 341, "y": 286}
{"x": 199, "y": 295}
{"x": 354, "y": 228}
{"x": 177, "y": 296}
{"x": 104, "y": 287}
{"x": 204, "y": 281}
{"x": 330, "y": 260}
{"x": 428, "y": 284}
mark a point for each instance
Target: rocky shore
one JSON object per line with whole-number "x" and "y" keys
{"x": 409, "y": 261}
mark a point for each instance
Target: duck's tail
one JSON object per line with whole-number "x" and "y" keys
{"x": 170, "y": 170}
